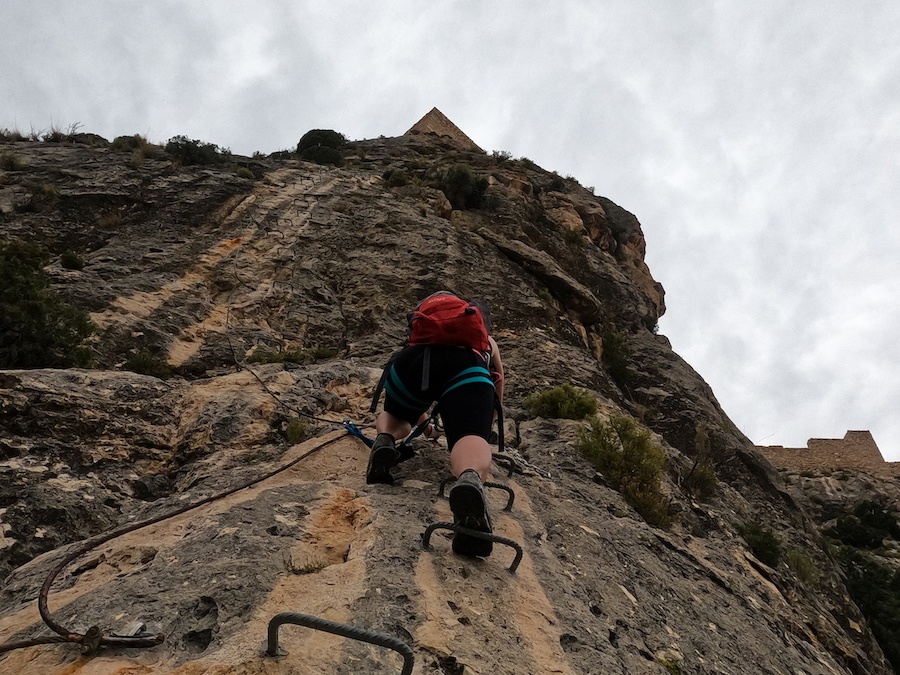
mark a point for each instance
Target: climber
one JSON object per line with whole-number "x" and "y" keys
{"x": 450, "y": 359}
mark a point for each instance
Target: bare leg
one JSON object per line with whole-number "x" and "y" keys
{"x": 471, "y": 452}
{"x": 389, "y": 424}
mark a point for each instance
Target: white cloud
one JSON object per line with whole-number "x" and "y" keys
{"x": 758, "y": 143}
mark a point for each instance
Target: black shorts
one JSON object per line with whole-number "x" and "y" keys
{"x": 458, "y": 379}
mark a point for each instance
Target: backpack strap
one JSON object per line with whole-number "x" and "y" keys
{"x": 499, "y": 407}
{"x": 426, "y": 369}
{"x": 381, "y": 380}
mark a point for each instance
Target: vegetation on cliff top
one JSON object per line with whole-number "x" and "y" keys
{"x": 37, "y": 328}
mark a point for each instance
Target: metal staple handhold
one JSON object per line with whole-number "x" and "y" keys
{"x": 426, "y": 539}
{"x": 499, "y": 486}
{"x": 511, "y": 464}
{"x": 316, "y": 623}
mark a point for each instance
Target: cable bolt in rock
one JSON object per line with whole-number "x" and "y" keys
{"x": 274, "y": 650}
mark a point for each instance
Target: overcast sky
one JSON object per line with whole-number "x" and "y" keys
{"x": 757, "y": 142}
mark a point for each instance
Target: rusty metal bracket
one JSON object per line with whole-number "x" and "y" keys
{"x": 316, "y": 623}
{"x": 499, "y": 486}
{"x": 426, "y": 539}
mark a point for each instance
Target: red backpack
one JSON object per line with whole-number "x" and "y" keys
{"x": 445, "y": 319}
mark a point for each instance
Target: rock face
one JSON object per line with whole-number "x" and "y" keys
{"x": 278, "y": 299}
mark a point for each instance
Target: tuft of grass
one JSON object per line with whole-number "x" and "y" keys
{"x": 12, "y": 135}
{"x": 296, "y": 430}
{"x": 40, "y": 196}
{"x": 763, "y": 542}
{"x": 146, "y": 362}
{"x": 110, "y": 219}
{"x": 311, "y": 566}
{"x": 673, "y": 667}
{"x": 59, "y": 135}
{"x": 702, "y": 481}
{"x": 629, "y": 459}
{"x": 11, "y": 162}
{"x": 565, "y": 402}
{"x": 804, "y": 566}
{"x": 71, "y": 261}
{"x": 572, "y": 237}
{"x": 395, "y": 178}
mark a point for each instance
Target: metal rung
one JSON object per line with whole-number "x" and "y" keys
{"x": 509, "y": 462}
{"x": 499, "y": 486}
{"x": 316, "y": 623}
{"x": 426, "y": 539}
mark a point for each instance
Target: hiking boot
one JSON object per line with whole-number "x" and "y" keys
{"x": 469, "y": 506}
{"x": 383, "y": 457}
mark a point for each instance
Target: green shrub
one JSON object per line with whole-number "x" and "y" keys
{"x": 629, "y": 459}
{"x": 572, "y": 237}
{"x": 462, "y": 188}
{"x": 71, "y": 261}
{"x": 615, "y": 356}
{"x": 876, "y": 591}
{"x": 564, "y": 402}
{"x": 803, "y": 566}
{"x": 763, "y": 542}
{"x": 40, "y": 196}
{"x": 190, "y": 152}
{"x": 320, "y": 154}
{"x": 244, "y": 172}
{"x": 126, "y": 143}
{"x": 146, "y": 362}
{"x": 322, "y": 146}
{"x": 851, "y": 531}
{"x": 326, "y": 138}
{"x": 395, "y": 178}
{"x": 557, "y": 184}
{"x": 874, "y": 515}
{"x": 37, "y": 328}
{"x": 296, "y": 430}
{"x": 501, "y": 156}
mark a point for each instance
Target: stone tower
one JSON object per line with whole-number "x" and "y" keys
{"x": 436, "y": 122}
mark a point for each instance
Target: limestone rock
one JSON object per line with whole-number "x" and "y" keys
{"x": 275, "y": 302}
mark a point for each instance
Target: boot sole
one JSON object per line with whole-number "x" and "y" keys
{"x": 469, "y": 510}
{"x": 380, "y": 464}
